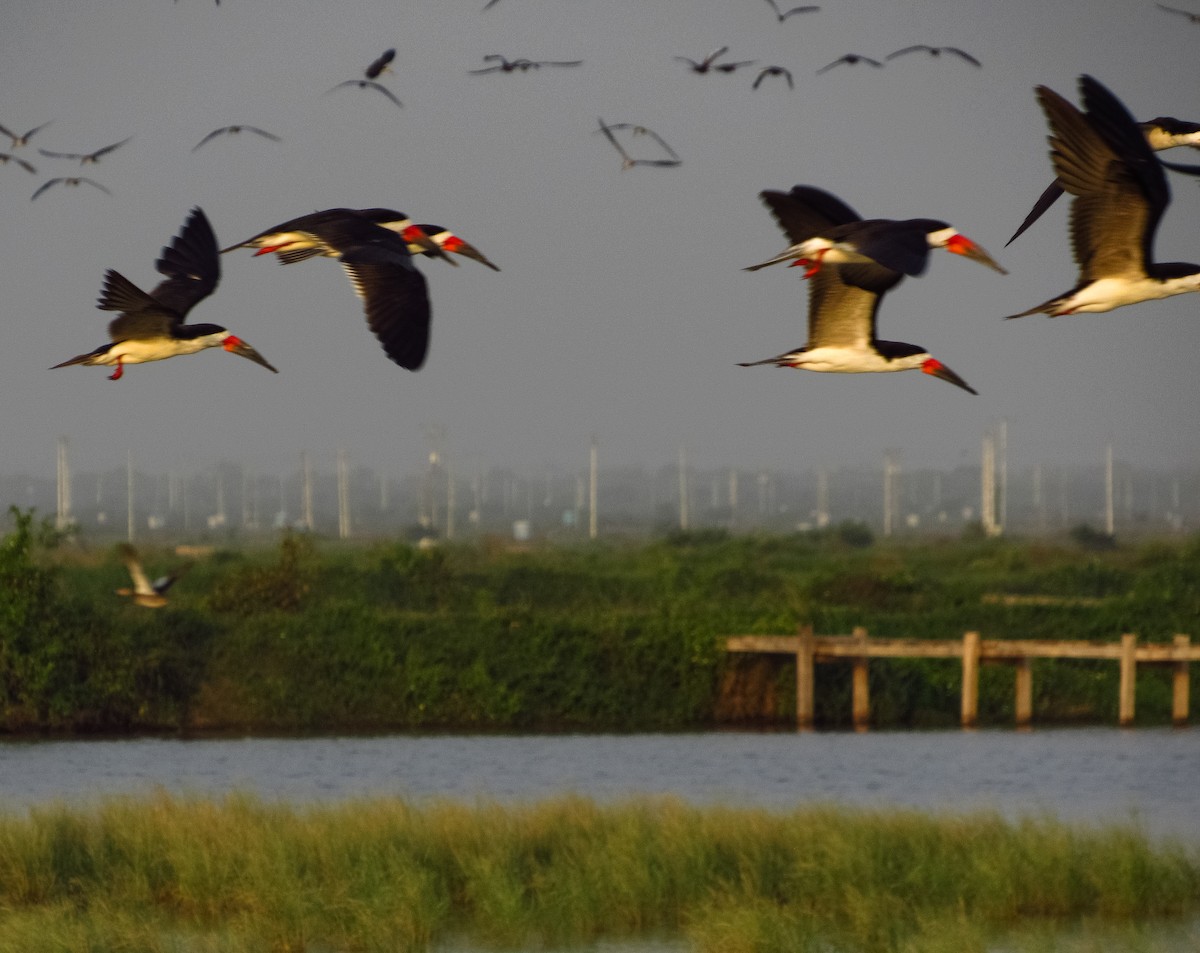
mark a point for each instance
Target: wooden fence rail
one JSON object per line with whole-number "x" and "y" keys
{"x": 974, "y": 651}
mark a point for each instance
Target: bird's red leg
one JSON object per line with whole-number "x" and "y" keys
{"x": 117, "y": 374}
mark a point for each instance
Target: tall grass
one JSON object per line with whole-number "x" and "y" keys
{"x": 170, "y": 874}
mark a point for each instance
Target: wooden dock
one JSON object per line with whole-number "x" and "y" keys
{"x": 859, "y": 649}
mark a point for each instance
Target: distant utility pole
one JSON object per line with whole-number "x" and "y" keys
{"x": 987, "y": 486}
{"x": 1109, "y": 522}
{"x": 822, "y": 515}
{"x": 593, "y": 517}
{"x": 733, "y": 495}
{"x": 450, "y": 501}
{"x": 129, "y": 521}
{"x": 891, "y": 487}
{"x": 62, "y": 518}
{"x": 343, "y": 490}
{"x": 306, "y": 490}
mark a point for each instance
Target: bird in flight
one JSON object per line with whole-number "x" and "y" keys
{"x": 5, "y": 159}
{"x": 367, "y": 84}
{"x": 1119, "y": 194}
{"x": 628, "y": 162}
{"x": 782, "y": 15}
{"x": 152, "y": 327}
{"x": 843, "y": 302}
{"x": 68, "y": 180}
{"x": 850, "y": 59}
{"x": 935, "y": 51}
{"x": 151, "y": 595}
{"x": 233, "y": 131}
{"x": 19, "y": 140}
{"x": 1194, "y": 17}
{"x": 710, "y": 62}
{"x": 774, "y": 71}
{"x": 87, "y": 158}
{"x": 504, "y": 65}
{"x": 380, "y": 65}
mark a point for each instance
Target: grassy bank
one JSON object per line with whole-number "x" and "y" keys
{"x": 242, "y": 875}
{"x": 310, "y": 634}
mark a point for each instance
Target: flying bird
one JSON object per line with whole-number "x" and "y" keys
{"x": 774, "y": 71}
{"x": 850, "y": 59}
{"x": 627, "y": 161}
{"x": 68, "y": 180}
{"x": 87, "y": 158}
{"x": 5, "y": 159}
{"x": 1120, "y": 192}
{"x": 23, "y": 140}
{"x": 935, "y": 51}
{"x": 843, "y": 303}
{"x": 1162, "y": 133}
{"x": 381, "y": 270}
{"x": 367, "y": 84}
{"x": 151, "y": 327}
{"x": 782, "y": 15}
{"x": 233, "y": 131}
{"x": 151, "y": 595}
{"x": 710, "y": 62}
{"x": 1194, "y": 17}
{"x": 504, "y": 65}
{"x": 380, "y": 65}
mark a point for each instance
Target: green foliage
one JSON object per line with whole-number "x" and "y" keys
{"x": 1088, "y": 537}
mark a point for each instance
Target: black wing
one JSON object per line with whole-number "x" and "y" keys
{"x": 191, "y": 264}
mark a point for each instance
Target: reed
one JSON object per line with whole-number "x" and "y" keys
{"x": 170, "y": 873}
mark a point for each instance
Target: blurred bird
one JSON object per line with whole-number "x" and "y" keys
{"x": 367, "y": 84}
{"x": 843, "y": 302}
{"x": 68, "y": 180}
{"x": 151, "y": 327}
{"x": 380, "y": 65}
{"x": 851, "y": 59}
{"x": 935, "y": 51}
{"x": 782, "y": 15}
{"x": 627, "y": 162}
{"x": 23, "y": 140}
{"x": 151, "y": 595}
{"x": 1194, "y": 17}
{"x": 504, "y": 65}
{"x": 88, "y": 158}
{"x": 5, "y": 159}
{"x": 774, "y": 71}
{"x": 709, "y": 62}
{"x": 1120, "y": 192}
{"x": 233, "y": 131}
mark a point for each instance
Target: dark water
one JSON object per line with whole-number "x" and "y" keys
{"x": 1100, "y": 775}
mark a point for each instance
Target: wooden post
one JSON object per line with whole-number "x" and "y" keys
{"x": 1024, "y": 689}
{"x": 1128, "y": 686}
{"x": 970, "y": 679}
{"x": 805, "y": 678}
{"x": 1179, "y": 694}
{"x": 861, "y": 689}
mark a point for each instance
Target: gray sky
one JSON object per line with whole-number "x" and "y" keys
{"x": 622, "y": 309}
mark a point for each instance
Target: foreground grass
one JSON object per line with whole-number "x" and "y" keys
{"x": 241, "y": 874}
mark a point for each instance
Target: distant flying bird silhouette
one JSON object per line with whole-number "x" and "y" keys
{"x": 87, "y": 158}
{"x": 627, "y": 161}
{"x": 367, "y": 84}
{"x": 774, "y": 71}
{"x": 151, "y": 595}
{"x": 851, "y": 59}
{"x": 710, "y": 62}
{"x": 68, "y": 180}
{"x": 233, "y": 131}
{"x": 505, "y": 65}
{"x": 1194, "y": 17}
{"x": 380, "y": 65}
{"x": 935, "y": 51}
{"x": 5, "y": 158}
{"x": 784, "y": 14}
{"x": 23, "y": 140}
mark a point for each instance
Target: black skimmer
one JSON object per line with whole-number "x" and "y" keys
{"x": 774, "y": 71}
{"x": 85, "y": 158}
{"x": 710, "y": 62}
{"x": 850, "y": 59}
{"x": 380, "y": 65}
{"x": 1120, "y": 191}
{"x": 504, "y": 65}
{"x": 1165, "y": 132}
{"x": 935, "y": 51}
{"x": 447, "y": 241}
{"x": 233, "y": 131}
{"x": 900, "y": 245}
{"x": 152, "y": 595}
{"x": 68, "y": 180}
{"x": 381, "y": 270}
{"x": 302, "y": 238}
{"x": 367, "y": 84}
{"x": 151, "y": 327}
{"x": 23, "y": 140}
{"x": 627, "y": 161}
{"x": 843, "y": 303}
{"x": 782, "y": 15}
{"x": 5, "y": 159}
{"x": 1194, "y": 17}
